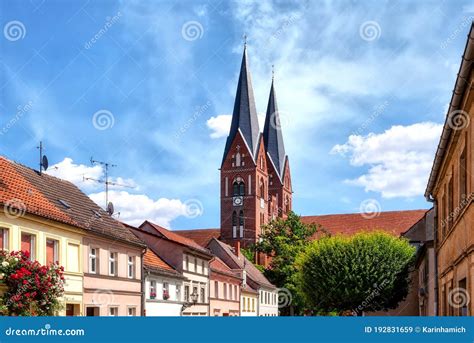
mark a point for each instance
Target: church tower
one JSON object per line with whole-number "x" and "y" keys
{"x": 253, "y": 169}
{"x": 279, "y": 177}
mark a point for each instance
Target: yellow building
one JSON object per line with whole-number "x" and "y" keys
{"x": 55, "y": 222}
{"x": 48, "y": 241}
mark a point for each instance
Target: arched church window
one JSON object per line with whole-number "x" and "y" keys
{"x": 234, "y": 218}
{"x": 241, "y": 218}
{"x": 238, "y": 187}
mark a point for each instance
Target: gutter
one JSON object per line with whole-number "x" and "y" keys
{"x": 455, "y": 104}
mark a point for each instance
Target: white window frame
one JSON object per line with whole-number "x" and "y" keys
{"x": 55, "y": 248}
{"x": 6, "y": 241}
{"x": 152, "y": 289}
{"x": 134, "y": 309}
{"x": 113, "y": 309}
{"x": 93, "y": 260}
{"x": 130, "y": 266}
{"x": 113, "y": 261}
{"x": 32, "y": 244}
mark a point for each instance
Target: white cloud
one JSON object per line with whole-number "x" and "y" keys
{"x": 219, "y": 125}
{"x": 75, "y": 173}
{"x": 399, "y": 159}
{"x": 135, "y": 208}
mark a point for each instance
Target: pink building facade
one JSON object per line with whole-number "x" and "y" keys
{"x": 112, "y": 277}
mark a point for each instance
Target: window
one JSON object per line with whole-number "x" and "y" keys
{"x": 238, "y": 188}
{"x": 241, "y": 223}
{"x": 195, "y": 265}
{"x": 237, "y": 159}
{"x": 178, "y": 292}
{"x": 93, "y": 260}
{"x": 52, "y": 251}
{"x": 450, "y": 202}
{"x": 230, "y": 292}
{"x": 113, "y": 264}
{"x": 234, "y": 224}
{"x": 462, "y": 178}
{"x": 152, "y": 289}
{"x": 72, "y": 262}
{"x": 203, "y": 295}
{"x": 131, "y": 267}
{"x": 225, "y": 290}
{"x": 262, "y": 189}
{"x": 203, "y": 266}
{"x": 216, "y": 289}
{"x": 28, "y": 243}
{"x": 132, "y": 312}
{"x": 186, "y": 293}
{"x": 166, "y": 291}
{"x": 3, "y": 239}
{"x": 463, "y": 310}
{"x": 187, "y": 262}
{"x": 113, "y": 311}
{"x": 253, "y": 305}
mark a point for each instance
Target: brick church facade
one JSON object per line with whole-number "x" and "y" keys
{"x": 255, "y": 171}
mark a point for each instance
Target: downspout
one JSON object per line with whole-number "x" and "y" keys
{"x": 435, "y": 238}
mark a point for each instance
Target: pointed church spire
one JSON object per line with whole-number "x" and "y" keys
{"x": 272, "y": 134}
{"x": 244, "y": 117}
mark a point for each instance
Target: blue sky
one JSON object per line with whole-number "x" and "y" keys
{"x": 362, "y": 86}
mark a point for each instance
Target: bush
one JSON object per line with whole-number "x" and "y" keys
{"x": 363, "y": 272}
{"x": 32, "y": 289}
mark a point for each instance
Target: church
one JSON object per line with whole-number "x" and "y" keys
{"x": 256, "y": 185}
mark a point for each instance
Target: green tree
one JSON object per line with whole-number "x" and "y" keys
{"x": 284, "y": 240}
{"x": 363, "y": 272}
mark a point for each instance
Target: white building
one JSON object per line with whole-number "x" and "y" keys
{"x": 267, "y": 301}
{"x": 163, "y": 287}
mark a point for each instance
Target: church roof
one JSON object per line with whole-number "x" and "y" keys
{"x": 244, "y": 117}
{"x": 394, "y": 222}
{"x": 272, "y": 134}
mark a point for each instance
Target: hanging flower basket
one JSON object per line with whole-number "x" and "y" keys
{"x": 152, "y": 295}
{"x": 166, "y": 294}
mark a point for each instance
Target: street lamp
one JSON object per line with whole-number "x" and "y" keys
{"x": 194, "y": 297}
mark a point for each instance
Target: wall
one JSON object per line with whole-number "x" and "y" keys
{"x": 70, "y": 249}
{"x": 159, "y": 306}
{"x": 104, "y": 291}
{"x": 267, "y": 302}
{"x": 224, "y": 304}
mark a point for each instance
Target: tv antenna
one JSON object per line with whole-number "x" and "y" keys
{"x": 43, "y": 161}
{"x": 109, "y": 206}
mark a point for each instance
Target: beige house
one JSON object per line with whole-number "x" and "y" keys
{"x": 451, "y": 188}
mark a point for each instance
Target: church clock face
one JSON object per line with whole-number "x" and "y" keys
{"x": 238, "y": 201}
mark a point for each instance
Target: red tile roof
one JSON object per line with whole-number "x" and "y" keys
{"x": 217, "y": 265}
{"x": 18, "y": 194}
{"x": 153, "y": 262}
{"x": 395, "y": 222}
{"x": 39, "y": 194}
{"x": 172, "y": 236}
{"x": 200, "y": 236}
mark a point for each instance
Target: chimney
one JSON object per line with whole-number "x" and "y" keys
{"x": 237, "y": 248}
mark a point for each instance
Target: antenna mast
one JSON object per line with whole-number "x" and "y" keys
{"x": 106, "y": 181}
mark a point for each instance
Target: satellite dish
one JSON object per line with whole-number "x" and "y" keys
{"x": 110, "y": 208}
{"x": 44, "y": 162}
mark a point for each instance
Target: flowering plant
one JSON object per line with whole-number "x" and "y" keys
{"x": 166, "y": 294}
{"x": 31, "y": 289}
{"x": 152, "y": 295}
